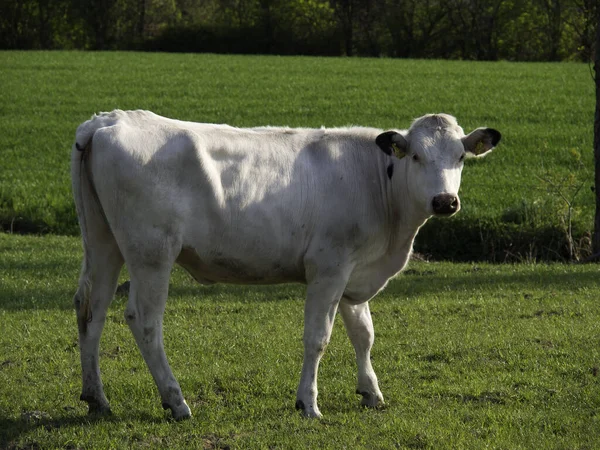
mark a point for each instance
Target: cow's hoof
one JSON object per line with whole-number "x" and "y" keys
{"x": 312, "y": 412}
{"x": 99, "y": 410}
{"x": 180, "y": 412}
{"x": 96, "y": 407}
{"x": 371, "y": 400}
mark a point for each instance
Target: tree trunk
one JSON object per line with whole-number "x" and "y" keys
{"x": 554, "y": 13}
{"x": 141, "y": 21}
{"x": 348, "y": 26}
{"x": 45, "y": 27}
{"x": 267, "y": 23}
{"x": 596, "y": 237}
{"x": 344, "y": 11}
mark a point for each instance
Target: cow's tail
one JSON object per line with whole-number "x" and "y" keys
{"x": 89, "y": 211}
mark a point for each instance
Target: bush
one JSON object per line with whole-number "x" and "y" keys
{"x": 460, "y": 239}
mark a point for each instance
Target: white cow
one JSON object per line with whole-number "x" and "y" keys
{"x": 336, "y": 209}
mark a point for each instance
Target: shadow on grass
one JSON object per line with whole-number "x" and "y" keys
{"x": 54, "y": 265}
{"x": 29, "y": 298}
{"x": 12, "y": 429}
{"x": 412, "y": 283}
{"x": 415, "y": 283}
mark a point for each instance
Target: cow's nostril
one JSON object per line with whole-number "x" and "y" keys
{"x": 445, "y": 204}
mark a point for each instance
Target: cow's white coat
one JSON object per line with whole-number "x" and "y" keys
{"x": 260, "y": 205}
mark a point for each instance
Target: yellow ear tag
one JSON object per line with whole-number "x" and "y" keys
{"x": 479, "y": 148}
{"x": 398, "y": 152}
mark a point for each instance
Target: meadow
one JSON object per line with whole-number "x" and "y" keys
{"x": 512, "y": 205}
{"x": 468, "y": 356}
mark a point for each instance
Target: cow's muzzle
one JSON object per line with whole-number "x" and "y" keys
{"x": 445, "y": 204}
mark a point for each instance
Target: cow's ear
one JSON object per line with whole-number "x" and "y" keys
{"x": 481, "y": 141}
{"x": 392, "y": 143}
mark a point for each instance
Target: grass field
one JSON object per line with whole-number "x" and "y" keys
{"x": 468, "y": 356}
{"x": 545, "y": 112}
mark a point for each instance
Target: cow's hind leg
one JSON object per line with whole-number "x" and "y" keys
{"x": 359, "y": 325}
{"x": 98, "y": 281}
{"x": 144, "y": 314}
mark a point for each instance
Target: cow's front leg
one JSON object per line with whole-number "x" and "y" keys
{"x": 322, "y": 299}
{"x": 359, "y": 325}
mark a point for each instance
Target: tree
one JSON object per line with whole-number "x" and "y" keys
{"x": 416, "y": 28}
{"x": 477, "y": 24}
{"x": 346, "y": 13}
{"x": 553, "y": 25}
{"x": 582, "y": 20}
{"x": 99, "y": 17}
{"x": 596, "y": 237}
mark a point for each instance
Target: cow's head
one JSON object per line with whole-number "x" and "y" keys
{"x": 434, "y": 149}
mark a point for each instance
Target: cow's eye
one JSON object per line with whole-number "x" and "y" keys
{"x": 415, "y": 157}
{"x": 462, "y": 157}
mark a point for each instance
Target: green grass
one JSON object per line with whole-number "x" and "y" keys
{"x": 545, "y": 112}
{"x": 468, "y": 356}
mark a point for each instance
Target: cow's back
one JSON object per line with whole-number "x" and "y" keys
{"x": 243, "y": 205}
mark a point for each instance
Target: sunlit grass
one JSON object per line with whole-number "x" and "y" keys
{"x": 545, "y": 112}
{"x": 468, "y": 356}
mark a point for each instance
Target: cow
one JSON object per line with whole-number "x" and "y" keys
{"x": 336, "y": 209}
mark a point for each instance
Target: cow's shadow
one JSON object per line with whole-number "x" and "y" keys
{"x": 12, "y": 428}
{"x": 421, "y": 279}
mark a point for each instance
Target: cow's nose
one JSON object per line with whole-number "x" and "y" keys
{"x": 445, "y": 204}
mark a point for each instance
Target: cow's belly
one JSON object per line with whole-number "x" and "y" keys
{"x": 237, "y": 269}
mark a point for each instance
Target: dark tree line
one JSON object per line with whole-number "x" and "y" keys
{"x": 522, "y": 30}
{"x": 596, "y": 235}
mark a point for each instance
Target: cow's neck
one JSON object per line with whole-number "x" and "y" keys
{"x": 401, "y": 245}
{"x": 405, "y": 218}
{"x": 404, "y": 213}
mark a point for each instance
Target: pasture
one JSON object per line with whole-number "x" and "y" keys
{"x": 544, "y": 111}
{"x": 468, "y": 356}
